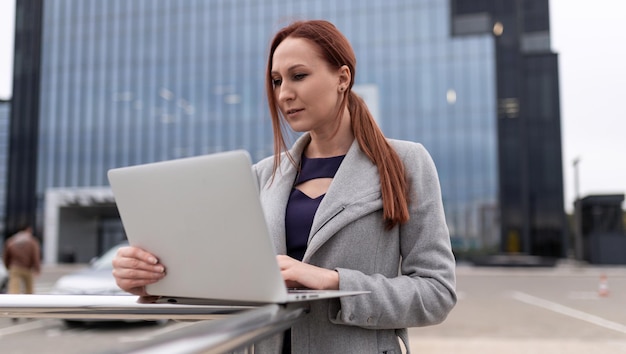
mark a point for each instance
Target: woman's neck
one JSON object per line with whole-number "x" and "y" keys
{"x": 335, "y": 143}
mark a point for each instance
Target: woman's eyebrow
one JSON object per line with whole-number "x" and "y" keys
{"x": 291, "y": 68}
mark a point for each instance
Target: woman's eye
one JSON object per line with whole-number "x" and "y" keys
{"x": 299, "y": 77}
{"x": 277, "y": 82}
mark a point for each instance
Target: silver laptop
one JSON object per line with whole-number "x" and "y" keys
{"x": 203, "y": 218}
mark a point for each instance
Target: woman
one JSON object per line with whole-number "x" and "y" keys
{"x": 348, "y": 209}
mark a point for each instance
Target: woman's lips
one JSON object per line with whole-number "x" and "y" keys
{"x": 294, "y": 112}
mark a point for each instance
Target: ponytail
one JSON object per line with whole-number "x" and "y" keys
{"x": 393, "y": 183}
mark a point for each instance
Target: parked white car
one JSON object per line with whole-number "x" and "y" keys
{"x": 97, "y": 279}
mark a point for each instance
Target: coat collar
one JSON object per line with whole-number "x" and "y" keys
{"x": 354, "y": 192}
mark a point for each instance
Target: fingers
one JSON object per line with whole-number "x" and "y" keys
{"x": 292, "y": 271}
{"x": 134, "y": 258}
{"x": 131, "y": 278}
{"x": 135, "y": 253}
{"x": 134, "y": 268}
{"x": 299, "y": 274}
{"x": 284, "y": 261}
{"x": 293, "y": 285}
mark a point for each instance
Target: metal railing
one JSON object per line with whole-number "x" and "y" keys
{"x": 232, "y": 327}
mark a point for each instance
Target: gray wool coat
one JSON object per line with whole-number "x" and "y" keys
{"x": 410, "y": 269}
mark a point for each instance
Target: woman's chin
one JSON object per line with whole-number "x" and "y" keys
{"x": 299, "y": 128}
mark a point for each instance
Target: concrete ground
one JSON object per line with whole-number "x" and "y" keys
{"x": 516, "y": 310}
{"x": 561, "y": 309}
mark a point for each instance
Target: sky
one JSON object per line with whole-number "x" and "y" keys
{"x": 590, "y": 39}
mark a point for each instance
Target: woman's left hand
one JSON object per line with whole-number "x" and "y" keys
{"x": 297, "y": 274}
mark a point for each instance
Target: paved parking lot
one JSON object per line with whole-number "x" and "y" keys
{"x": 500, "y": 310}
{"x": 532, "y": 310}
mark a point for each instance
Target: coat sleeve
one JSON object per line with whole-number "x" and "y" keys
{"x": 424, "y": 291}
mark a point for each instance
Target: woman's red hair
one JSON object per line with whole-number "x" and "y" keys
{"x": 337, "y": 51}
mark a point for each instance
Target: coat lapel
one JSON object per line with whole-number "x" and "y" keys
{"x": 276, "y": 194}
{"x": 354, "y": 192}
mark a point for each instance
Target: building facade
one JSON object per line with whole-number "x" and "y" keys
{"x": 21, "y": 193}
{"x": 129, "y": 82}
{"x": 5, "y": 108}
{"x": 530, "y": 175}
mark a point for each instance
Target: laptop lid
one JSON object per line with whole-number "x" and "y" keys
{"x": 203, "y": 218}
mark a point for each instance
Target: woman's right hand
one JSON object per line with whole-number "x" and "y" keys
{"x": 134, "y": 268}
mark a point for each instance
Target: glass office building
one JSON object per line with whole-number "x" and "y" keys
{"x": 128, "y": 82}
{"x": 5, "y": 107}
{"x": 124, "y": 82}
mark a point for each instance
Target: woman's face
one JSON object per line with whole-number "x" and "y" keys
{"x": 307, "y": 90}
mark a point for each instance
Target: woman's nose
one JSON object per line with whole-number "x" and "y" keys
{"x": 285, "y": 93}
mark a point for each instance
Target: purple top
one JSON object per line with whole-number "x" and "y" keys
{"x": 301, "y": 208}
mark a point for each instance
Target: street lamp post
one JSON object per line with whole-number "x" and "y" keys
{"x": 576, "y": 181}
{"x": 578, "y": 232}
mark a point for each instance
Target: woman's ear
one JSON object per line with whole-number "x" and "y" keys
{"x": 345, "y": 76}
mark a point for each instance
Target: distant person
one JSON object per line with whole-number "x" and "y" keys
{"x": 347, "y": 208}
{"x": 21, "y": 256}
